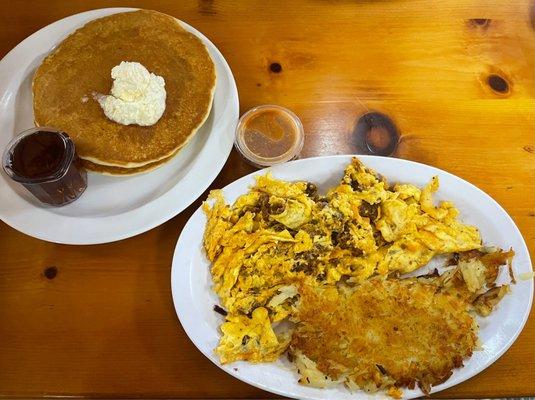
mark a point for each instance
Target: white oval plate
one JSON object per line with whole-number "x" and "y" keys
{"x": 194, "y": 299}
{"x": 112, "y": 208}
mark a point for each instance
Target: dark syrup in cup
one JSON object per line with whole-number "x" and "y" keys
{"x": 44, "y": 161}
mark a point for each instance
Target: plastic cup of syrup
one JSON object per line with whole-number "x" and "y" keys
{"x": 268, "y": 135}
{"x": 43, "y": 160}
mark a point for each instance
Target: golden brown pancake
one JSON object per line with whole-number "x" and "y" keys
{"x": 81, "y": 65}
{"x": 120, "y": 171}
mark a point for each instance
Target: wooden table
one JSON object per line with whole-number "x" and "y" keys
{"x": 99, "y": 321}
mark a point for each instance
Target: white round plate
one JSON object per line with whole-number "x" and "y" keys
{"x": 194, "y": 299}
{"x": 112, "y": 208}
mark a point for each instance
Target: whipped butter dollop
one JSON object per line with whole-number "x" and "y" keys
{"x": 137, "y": 95}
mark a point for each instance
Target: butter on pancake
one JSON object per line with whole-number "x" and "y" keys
{"x": 137, "y": 95}
{"x": 64, "y": 85}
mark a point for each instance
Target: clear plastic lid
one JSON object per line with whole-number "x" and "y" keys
{"x": 269, "y": 134}
{"x": 38, "y": 155}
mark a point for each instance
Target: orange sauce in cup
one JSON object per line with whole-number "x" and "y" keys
{"x": 268, "y": 135}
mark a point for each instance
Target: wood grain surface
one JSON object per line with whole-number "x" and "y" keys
{"x": 99, "y": 320}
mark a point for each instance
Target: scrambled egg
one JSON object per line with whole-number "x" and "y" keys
{"x": 281, "y": 235}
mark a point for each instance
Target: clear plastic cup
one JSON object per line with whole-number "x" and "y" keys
{"x": 269, "y": 134}
{"x": 44, "y": 161}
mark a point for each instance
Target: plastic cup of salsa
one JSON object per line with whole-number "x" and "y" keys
{"x": 268, "y": 135}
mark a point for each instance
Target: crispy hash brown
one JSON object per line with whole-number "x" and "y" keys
{"x": 391, "y": 333}
{"x": 331, "y": 265}
{"x": 386, "y": 332}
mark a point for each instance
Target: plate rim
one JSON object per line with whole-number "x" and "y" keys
{"x": 223, "y": 147}
{"x": 470, "y": 374}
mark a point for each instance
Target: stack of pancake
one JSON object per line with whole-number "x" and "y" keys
{"x": 66, "y": 82}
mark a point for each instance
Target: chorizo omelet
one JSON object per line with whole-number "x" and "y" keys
{"x": 282, "y": 248}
